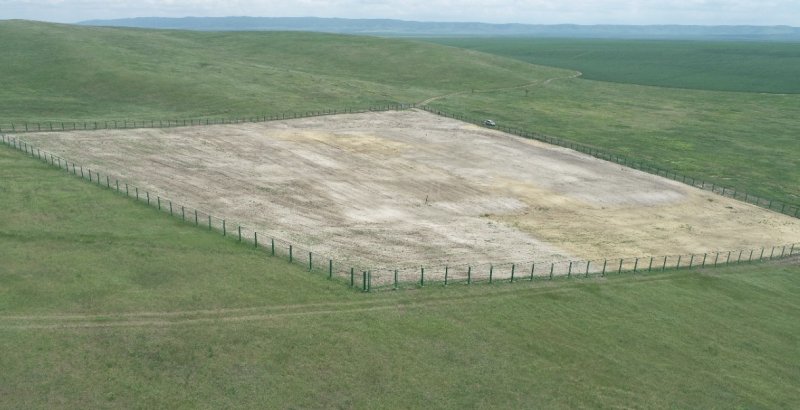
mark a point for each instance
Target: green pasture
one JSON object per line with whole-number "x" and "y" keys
{"x": 108, "y": 303}
{"x": 745, "y": 66}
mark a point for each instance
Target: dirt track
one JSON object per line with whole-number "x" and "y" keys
{"x": 409, "y": 189}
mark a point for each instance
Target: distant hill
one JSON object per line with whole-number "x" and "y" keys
{"x": 384, "y": 27}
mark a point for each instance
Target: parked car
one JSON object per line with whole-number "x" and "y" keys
{"x": 489, "y": 123}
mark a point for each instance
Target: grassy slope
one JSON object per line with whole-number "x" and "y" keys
{"x": 745, "y": 140}
{"x": 725, "y": 338}
{"x": 769, "y": 67}
{"x": 62, "y": 73}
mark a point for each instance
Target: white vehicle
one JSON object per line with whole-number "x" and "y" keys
{"x": 489, "y": 123}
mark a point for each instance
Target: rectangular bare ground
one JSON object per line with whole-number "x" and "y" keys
{"x": 407, "y": 189}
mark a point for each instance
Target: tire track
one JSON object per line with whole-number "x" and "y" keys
{"x": 516, "y": 87}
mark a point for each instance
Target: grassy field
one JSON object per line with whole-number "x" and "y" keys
{"x": 147, "y": 74}
{"x": 745, "y": 140}
{"x": 766, "y": 67}
{"x": 107, "y": 303}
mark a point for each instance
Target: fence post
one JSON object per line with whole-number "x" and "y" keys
{"x": 513, "y": 266}
{"x": 272, "y": 246}
{"x": 739, "y": 259}
{"x": 569, "y": 271}
{"x": 310, "y": 265}
{"x": 183, "y": 214}
{"x": 605, "y": 262}
{"x": 664, "y": 266}
{"x": 761, "y": 258}
{"x": 491, "y": 270}
{"x": 330, "y": 268}
{"x": 678, "y": 266}
{"x": 705, "y": 255}
{"x": 620, "y": 266}
{"x": 422, "y": 277}
{"x": 650, "y": 267}
{"x": 533, "y": 267}
{"x": 588, "y": 263}
{"x": 552, "y": 265}
{"x": 364, "y": 282}
{"x": 158, "y": 202}
{"x": 716, "y": 259}
{"x": 469, "y": 275}
{"x": 224, "y": 229}
{"x": 395, "y": 279}
{"x": 750, "y": 259}
{"x": 771, "y": 253}
{"x": 209, "y": 222}
{"x": 239, "y": 227}
{"x": 290, "y": 253}
{"x": 635, "y": 265}
{"x": 352, "y": 277}
{"x": 255, "y": 239}
{"x": 116, "y": 181}
{"x": 137, "y": 189}
{"x": 196, "y": 222}
{"x": 445, "y": 275}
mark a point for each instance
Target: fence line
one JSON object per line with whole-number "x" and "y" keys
{"x": 366, "y": 279}
{"x": 785, "y": 208}
{"x": 792, "y": 210}
{"x": 61, "y": 126}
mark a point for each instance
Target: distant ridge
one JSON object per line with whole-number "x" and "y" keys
{"x": 384, "y": 27}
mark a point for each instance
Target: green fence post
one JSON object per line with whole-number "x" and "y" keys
{"x": 224, "y": 229}
{"x": 239, "y": 227}
{"x": 290, "y": 253}
{"x": 209, "y": 222}
{"x": 422, "y": 277}
{"x": 127, "y": 193}
{"x": 183, "y": 214}
{"x": 352, "y": 277}
{"x": 255, "y": 239}
{"x": 364, "y": 282}
{"x": 108, "y": 182}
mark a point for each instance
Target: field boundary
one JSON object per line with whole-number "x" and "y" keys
{"x": 792, "y": 210}
{"x": 368, "y": 279}
{"x": 785, "y": 208}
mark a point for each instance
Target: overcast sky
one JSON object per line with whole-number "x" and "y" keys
{"x": 702, "y": 12}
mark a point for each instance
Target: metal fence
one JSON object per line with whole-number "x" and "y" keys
{"x": 367, "y": 279}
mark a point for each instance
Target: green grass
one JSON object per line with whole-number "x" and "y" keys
{"x": 82, "y": 264}
{"x": 71, "y": 73}
{"x": 742, "y": 140}
{"x": 767, "y": 67}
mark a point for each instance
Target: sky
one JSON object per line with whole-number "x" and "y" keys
{"x": 689, "y": 12}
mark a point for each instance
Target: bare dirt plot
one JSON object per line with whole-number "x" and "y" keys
{"x": 409, "y": 188}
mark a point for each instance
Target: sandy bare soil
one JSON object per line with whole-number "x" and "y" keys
{"x": 409, "y": 188}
